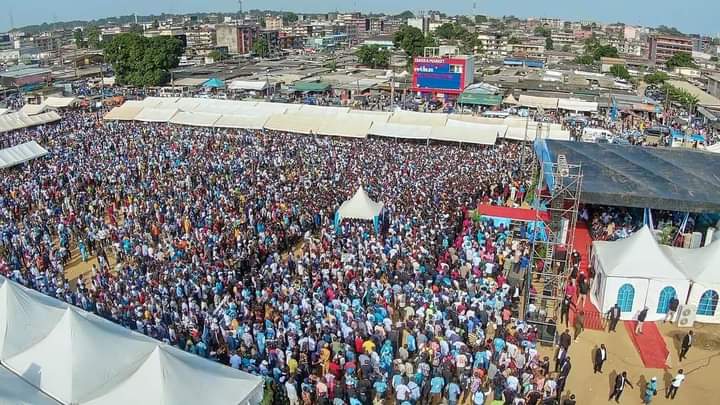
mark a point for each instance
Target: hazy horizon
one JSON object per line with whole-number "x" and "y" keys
{"x": 638, "y": 12}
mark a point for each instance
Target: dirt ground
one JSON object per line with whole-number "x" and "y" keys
{"x": 702, "y": 365}
{"x": 703, "y": 362}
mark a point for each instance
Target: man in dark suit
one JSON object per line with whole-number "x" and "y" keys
{"x": 565, "y": 339}
{"x": 562, "y": 378}
{"x": 565, "y": 307}
{"x": 600, "y": 357}
{"x": 687, "y": 343}
{"x": 614, "y": 316}
{"x": 672, "y": 309}
{"x": 619, "y": 386}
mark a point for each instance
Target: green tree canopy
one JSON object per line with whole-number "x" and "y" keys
{"x": 620, "y": 71}
{"x": 513, "y": 41}
{"x": 261, "y": 47}
{"x": 290, "y": 17}
{"x": 665, "y": 30}
{"x": 217, "y": 55}
{"x": 92, "y": 36}
{"x": 543, "y": 31}
{"x": 141, "y": 61}
{"x": 412, "y": 41}
{"x": 549, "y": 44}
{"x": 680, "y": 59}
{"x": 480, "y": 19}
{"x": 656, "y": 78}
{"x": 465, "y": 20}
{"x": 680, "y": 96}
{"x": 79, "y": 38}
{"x": 405, "y": 15}
{"x": 584, "y": 60}
{"x": 373, "y": 56}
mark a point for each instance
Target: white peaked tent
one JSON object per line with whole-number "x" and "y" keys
{"x": 76, "y": 357}
{"x": 360, "y": 206}
{"x": 634, "y": 272}
{"x": 16, "y": 391}
{"x": 701, "y": 267}
{"x": 171, "y": 377}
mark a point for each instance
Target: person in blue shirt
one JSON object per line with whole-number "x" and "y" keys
{"x": 453, "y": 393}
{"x": 437, "y": 384}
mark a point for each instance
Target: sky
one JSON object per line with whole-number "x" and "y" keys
{"x": 691, "y": 16}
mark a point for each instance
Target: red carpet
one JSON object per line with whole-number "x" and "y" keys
{"x": 650, "y": 345}
{"x": 519, "y": 214}
{"x": 582, "y": 243}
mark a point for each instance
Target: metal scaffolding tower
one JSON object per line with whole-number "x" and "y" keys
{"x": 559, "y": 186}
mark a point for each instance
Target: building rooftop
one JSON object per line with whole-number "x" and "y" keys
{"x": 23, "y": 72}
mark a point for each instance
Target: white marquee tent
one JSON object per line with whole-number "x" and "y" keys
{"x": 79, "y": 358}
{"x": 571, "y": 104}
{"x": 197, "y": 119}
{"x": 701, "y": 267}
{"x": 16, "y": 391}
{"x": 406, "y": 131}
{"x": 635, "y": 272}
{"x": 360, "y": 206}
{"x": 242, "y": 121}
{"x": 22, "y": 153}
{"x": 18, "y": 120}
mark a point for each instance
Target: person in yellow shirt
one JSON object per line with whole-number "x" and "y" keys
{"x": 325, "y": 358}
{"x": 368, "y": 346}
{"x": 292, "y": 365}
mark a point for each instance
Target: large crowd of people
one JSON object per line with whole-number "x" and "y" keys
{"x": 224, "y": 244}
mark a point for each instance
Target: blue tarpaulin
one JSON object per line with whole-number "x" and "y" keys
{"x": 214, "y": 83}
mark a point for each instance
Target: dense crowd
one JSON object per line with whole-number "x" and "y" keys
{"x": 223, "y": 243}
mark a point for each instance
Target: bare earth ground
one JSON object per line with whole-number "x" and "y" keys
{"x": 702, "y": 365}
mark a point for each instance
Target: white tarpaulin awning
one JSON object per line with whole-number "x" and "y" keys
{"x": 252, "y": 85}
{"x": 20, "y": 154}
{"x": 347, "y": 125}
{"x": 33, "y": 109}
{"x": 242, "y": 121}
{"x": 4, "y": 110}
{"x": 418, "y": 118}
{"x": 16, "y": 391}
{"x": 224, "y": 107}
{"x": 464, "y": 131}
{"x": 294, "y": 122}
{"x": 77, "y": 357}
{"x": 197, "y": 119}
{"x": 547, "y": 103}
{"x": 126, "y": 112}
{"x": 276, "y": 108}
{"x": 571, "y": 104}
{"x": 151, "y": 114}
{"x": 360, "y": 206}
{"x": 322, "y": 110}
{"x": 401, "y": 130}
{"x": 60, "y": 102}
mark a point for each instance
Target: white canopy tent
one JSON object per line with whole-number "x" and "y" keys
{"x": 252, "y": 85}
{"x": 33, "y": 109}
{"x": 79, "y": 358}
{"x": 701, "y": 267}
{"x": 126, "y": 112}
{"x": 360, "y": 206}
{"x": 196, "y": 119}
{"x": 321, "y": 110}
{"x": 242, "y": 121}
{"x": 418, "y": 118}
{"x": 346, "y": 125}
{"x": 571, "y": 104}
{"x": 547, "y": 103}
{"x": 4, "y": 111}
{"x": 16, "y": 391}
{"x": 60, "y": 102}
{"x": 153, "y": 114}
{"x": 294, "y": 122}
{"x": 22, "y": 153}
{"x": 634, "y": 273}
{"x": 406, "y": 131}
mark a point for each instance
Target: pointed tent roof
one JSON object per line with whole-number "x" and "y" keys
{"x": 16, "y": 391}
{"x": 360, "y": 206}
{"x": 25, "y": 318}
{"x": 214, "y": 83}
{"x": 700, "y": 265}
{"x": 638, "y": 256}
{"x": 164, "y": 378}
{"x": 79, "y": 356}
{"x": 510, "y": 99}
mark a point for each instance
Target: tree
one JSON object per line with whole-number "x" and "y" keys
{"x": 261, "y": 47}
{"x": 543, "y": 31}
{"x": 665, "y": 30}
{"x": 92, "y": 37}
{"x": 373, "y": 56}
{"x": 216, "y": 55}
{"x": 605, "y": 51}
{"x": 620, "y": 71}
{"x": 549, "y": 45}
{"x": 446, "y": 31}
{"x": 290, "y": 18}
{"x": 680, "y": 59}
{"x": 140, "y": 61}
{"x": 584, "y": 60}
{"x": 155, "y": 24}
{"x": 79, "y": 37}
{"x": 656, "y": 78}
{"x": 412, "y": 41}
{"x": 513, "y": 41}
{"x": 480, "y": 19}
{"x": 465, "y": 20}
{"x": 566, "y": 48}
{"x": 136, "y": 29}
{"x": 405, "y": 15}
{"x": 713, "y": 59}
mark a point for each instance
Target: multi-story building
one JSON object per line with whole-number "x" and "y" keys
{"x": 6, "y": 41}
{"x": 713, "y": 85}
{"x": 628, "y": 47}
{"x": 492, "y": 43}
{"x": 529, "y": 50}
{"x": 273, "y": 22}
{"x": 238, "y": 39}
{"x": 562, "y": 38}
{"x": 663, "y": 47}
{"x": 421, "y": 23}
{"x": 200, "y": 38}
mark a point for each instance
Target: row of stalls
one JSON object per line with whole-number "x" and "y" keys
{"x": 334, "y": 121}
{"x": 638, "y": 272}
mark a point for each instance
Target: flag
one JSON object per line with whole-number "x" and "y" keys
{"x": 647, "y": 218}
{"x": 614, "y": 110}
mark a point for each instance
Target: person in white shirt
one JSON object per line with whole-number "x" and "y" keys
{"x": 675, "y": 384}
{"x": 292, "y": 392}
